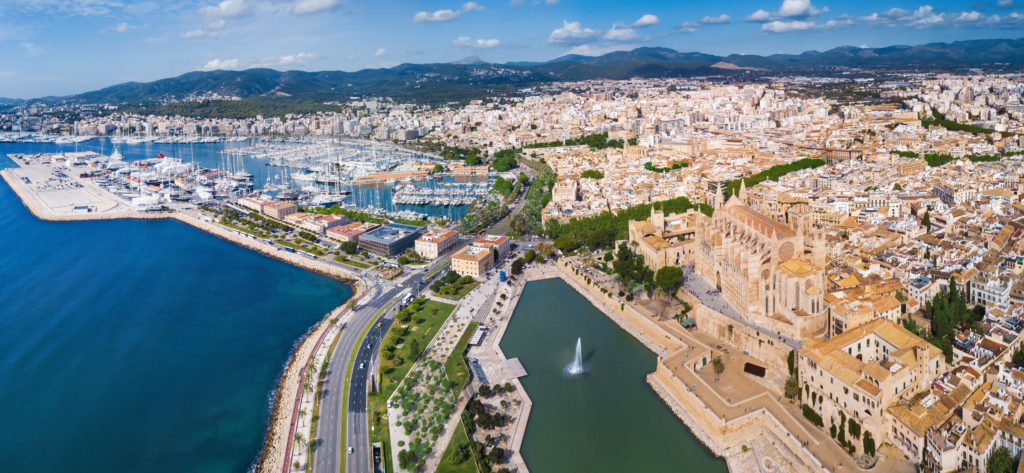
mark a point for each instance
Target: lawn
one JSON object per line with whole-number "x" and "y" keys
{"x": 426, "y": 327}
{"x": 461, "y": 292}
{"x": 313, "y": 248}
{"x": 344, "y": 260}
{"x": 245, "y": 230}
{"x": 455, "y": 367}
{"x": 446, "y": 465}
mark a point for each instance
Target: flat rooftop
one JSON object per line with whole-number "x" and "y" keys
{"x": 391, "y": 233}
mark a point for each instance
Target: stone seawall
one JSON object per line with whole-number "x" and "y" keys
{"x": 773, "y": 352}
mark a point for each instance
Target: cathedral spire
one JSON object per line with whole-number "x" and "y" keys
{"x": 719, "y": 200}
{"x": 743, "y": 191}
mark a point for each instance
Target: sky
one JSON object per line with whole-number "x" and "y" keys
{"x": 62, "y": 47}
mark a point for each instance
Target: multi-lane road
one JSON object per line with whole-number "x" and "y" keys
{"x": 329, "y": 446}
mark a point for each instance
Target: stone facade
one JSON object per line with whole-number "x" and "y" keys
{"x": 771, "y": 272}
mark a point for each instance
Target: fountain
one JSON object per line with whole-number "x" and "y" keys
{"x": 576, "y": 367}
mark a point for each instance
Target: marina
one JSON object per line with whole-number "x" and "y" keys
{"x": 104, "y": 175}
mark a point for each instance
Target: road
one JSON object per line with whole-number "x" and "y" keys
{"x": 329, "y": 445}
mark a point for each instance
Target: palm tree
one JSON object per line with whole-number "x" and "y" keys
{"x": 299, "y": 439}
{"x": 433, "y": 312}
{"x": 302, "y": 414}
{"x": 719, "y": 366}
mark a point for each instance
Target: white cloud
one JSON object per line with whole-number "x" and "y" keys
{"x": 837, "y": 24}
{"x": 438, "y": 16}
{"x": 715, "y": 20}
{"x": 121, "y": 28}
{"x": 515, "y": 3}
{"x": 289, "y": 61}
{"x": 573, "y": 33}
{"x": 622, "y": 35}
{"x": 217, "y": 64}
{"x": 445, "y": 15}
{"x": 786, "y": 26}
{"x": 32, "y": 49}
{"x": 588, "y": 50}
{"x": 687, "y": 27}
{"x": 380, "y": 52}
{"x": 199, "y": 34}
{"x": 551, "y": 2}
{"x": 646, "y": 20}
{"x": 226, "y": 9}
{"x": 217, "y": 25}
{"x": 1006, "y": 4}
{"x": 758, "y": 16}
{"x": 796, "y": 9}
{"x": 465, "y": 43}
{"x": 306, "y": 7}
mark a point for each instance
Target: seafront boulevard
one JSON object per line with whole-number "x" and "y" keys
{"x": 285, "y": 415}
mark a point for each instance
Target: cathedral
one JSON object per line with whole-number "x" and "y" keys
{"x": 771, "y": 272}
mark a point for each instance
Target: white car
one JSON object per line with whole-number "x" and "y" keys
{"x": 350, "y": 450}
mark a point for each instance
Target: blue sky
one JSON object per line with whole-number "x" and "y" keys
{"x": 60, "y": 47}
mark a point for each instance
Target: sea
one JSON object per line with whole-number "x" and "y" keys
{"x": 209, "y": 155}
{"x": 144, "y": 346}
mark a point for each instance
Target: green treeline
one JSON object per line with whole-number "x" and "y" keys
{"x": 601, "y": 231}
{"x": 938, "y": 159}
{"x": 938, "y": 119}
{"x": 592, "y": 174}
{"x": 773, "y": 173}
{"x": 596, "y": 141}
{"x": 650, "y": 167}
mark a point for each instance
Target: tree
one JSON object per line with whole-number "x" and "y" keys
{"x": 1001, "y": 461}
{"x": 517, "y": 266}
{"x": 592, "y": 174}
{"x": 484, "y": 390}
{"x": 897, "y": 187}
{"x": 668, "y": 278}
{"x": 403, "y": 260}
{"x": 719, "y": 366}
{"x": 792, "y": 387}
{"x": 461, "y": 453}
{"x": 350, "y": 247}
{"x": 869, "y": 444}
{"x": 565, "y": 243}
{"x": 927, "y": 221}
{"x": 791, "y": 362}
{"x": 854, "y": 428}
{"x": 350, "y": 304}
{"x": 530, "y": 255}
{"x": 414, "y": 349}
{"x": 438, "y": 168}
{"x": 496, "y": 455}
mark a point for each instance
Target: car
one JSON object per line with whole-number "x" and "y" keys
{"x": 361, "y": 365}
{"x": 369, "y": 345}
{"x": 350, "y": 450}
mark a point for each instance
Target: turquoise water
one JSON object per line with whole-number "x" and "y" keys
{"x": 141, "y": 345}
{"x": 608, "y": 421}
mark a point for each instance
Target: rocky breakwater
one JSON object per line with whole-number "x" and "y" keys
{"x": 273, "y": 456}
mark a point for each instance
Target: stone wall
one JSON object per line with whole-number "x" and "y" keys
{"x": 773, "y": 352}
{"x": 727, "y": 438}
{"x": 625, "y": 314}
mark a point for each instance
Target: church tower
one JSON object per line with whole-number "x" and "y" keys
{"x": 743, "y": 192}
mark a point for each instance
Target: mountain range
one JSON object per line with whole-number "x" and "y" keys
{"x": 472, "y": 77}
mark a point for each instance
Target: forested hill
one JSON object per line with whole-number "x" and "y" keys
{"x": 467, "y": 80}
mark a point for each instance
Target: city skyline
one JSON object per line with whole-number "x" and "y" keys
{"x": 62, "y": 47}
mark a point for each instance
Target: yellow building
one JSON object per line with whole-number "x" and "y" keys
{"x": 472, "y": 261}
